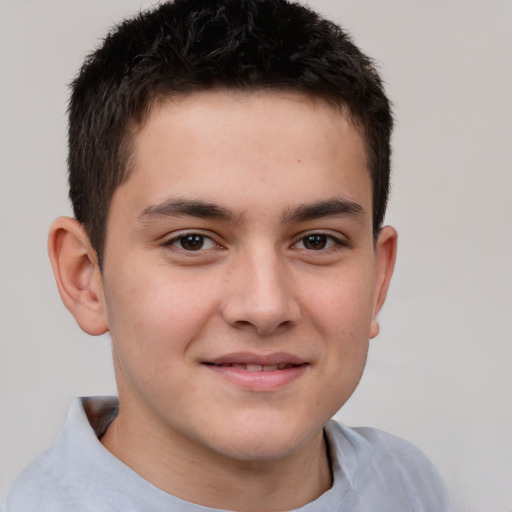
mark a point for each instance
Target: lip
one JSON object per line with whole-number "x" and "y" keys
{"x": 230, "y": 367}
{"x": 253, "y": 358}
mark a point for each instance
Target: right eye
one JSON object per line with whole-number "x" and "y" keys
{"x": 191, "y": 242}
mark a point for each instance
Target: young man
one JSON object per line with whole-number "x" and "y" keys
{"x": 229, "y": 170}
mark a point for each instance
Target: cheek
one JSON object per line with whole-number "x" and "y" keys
{"x": 152, "y": 317}
{"x": 342, "y": 306}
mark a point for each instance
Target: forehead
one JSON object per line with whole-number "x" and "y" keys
{"x": 232, "y": 145}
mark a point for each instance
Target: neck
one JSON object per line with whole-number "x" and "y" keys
{"x": 181, "y": 467}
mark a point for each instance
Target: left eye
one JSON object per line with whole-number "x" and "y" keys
{"x": 192, "y": 242}
{"x": 317, "y": 242}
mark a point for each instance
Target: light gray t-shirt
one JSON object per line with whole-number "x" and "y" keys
{"x": 373, "y": 472}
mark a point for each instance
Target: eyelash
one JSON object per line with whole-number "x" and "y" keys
{"x": 183, "y": 236}
{"x": 330, "y": 242}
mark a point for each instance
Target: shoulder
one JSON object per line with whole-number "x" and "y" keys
{"x": 378, "y": 445}
{"x": 59, "y": 477}
{"x": 380, "y": 463}
{"x": 37, "y": 485}
{"x": 381, "y": 444}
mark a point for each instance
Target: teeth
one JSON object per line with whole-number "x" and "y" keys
{"x": 254, "y": 367}
{"x": 258, "y": 367}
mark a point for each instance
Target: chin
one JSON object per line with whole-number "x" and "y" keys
{"x": 265, "y": 441}
{"x": 258, "y": 450}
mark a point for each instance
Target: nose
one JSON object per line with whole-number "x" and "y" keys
{"x": 261, "y": 295}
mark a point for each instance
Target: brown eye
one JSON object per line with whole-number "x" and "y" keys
{"x": 192, "y": 242}
{"x": 318, "y": 242}
{"x": 315, "y": 242}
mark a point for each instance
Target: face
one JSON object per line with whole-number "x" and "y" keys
{"x": 239, "y": 282}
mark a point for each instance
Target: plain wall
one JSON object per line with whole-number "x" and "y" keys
{"x": 439, "y": 374}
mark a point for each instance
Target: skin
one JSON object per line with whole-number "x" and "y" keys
{"x": 243, "y": 234}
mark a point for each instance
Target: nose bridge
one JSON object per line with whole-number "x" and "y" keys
{"x": 261, "y": 290}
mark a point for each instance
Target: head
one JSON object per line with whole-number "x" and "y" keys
{"x": 229, "y": 162}
{"x": 188, "y": 46}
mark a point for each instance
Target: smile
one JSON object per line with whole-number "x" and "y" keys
{"x": 256, "y": 372}
{"x": 258, "y": 367}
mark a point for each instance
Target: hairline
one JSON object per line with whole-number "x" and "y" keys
{"x": 134, "y": 126}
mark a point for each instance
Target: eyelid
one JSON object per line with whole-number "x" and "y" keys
{"x": 169, "y": 241}
{"x": 338, "y": 239}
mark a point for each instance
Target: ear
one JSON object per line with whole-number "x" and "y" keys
{"x": 385, "y": 256}
{"x": 78, "y": 277}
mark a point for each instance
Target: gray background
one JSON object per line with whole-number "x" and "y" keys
{"x": 440, "y": 372}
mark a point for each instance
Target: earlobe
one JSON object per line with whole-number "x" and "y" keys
{"x": 385, "y": 256}
{"x": 77, "y": 274}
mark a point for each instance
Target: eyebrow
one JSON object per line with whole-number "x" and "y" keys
{"x": 334, "y": 207}
{"x": 177, "y": 207}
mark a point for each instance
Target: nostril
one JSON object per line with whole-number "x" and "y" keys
{"x": 242, "y": 323}
{"x": 262, "y": 328}
{"x": 262, "y": 303}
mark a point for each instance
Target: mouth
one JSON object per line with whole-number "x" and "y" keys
{"x": 257, "y": 362}
{"x": 258, "y": 372}
{"x": 250, "y": 367}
